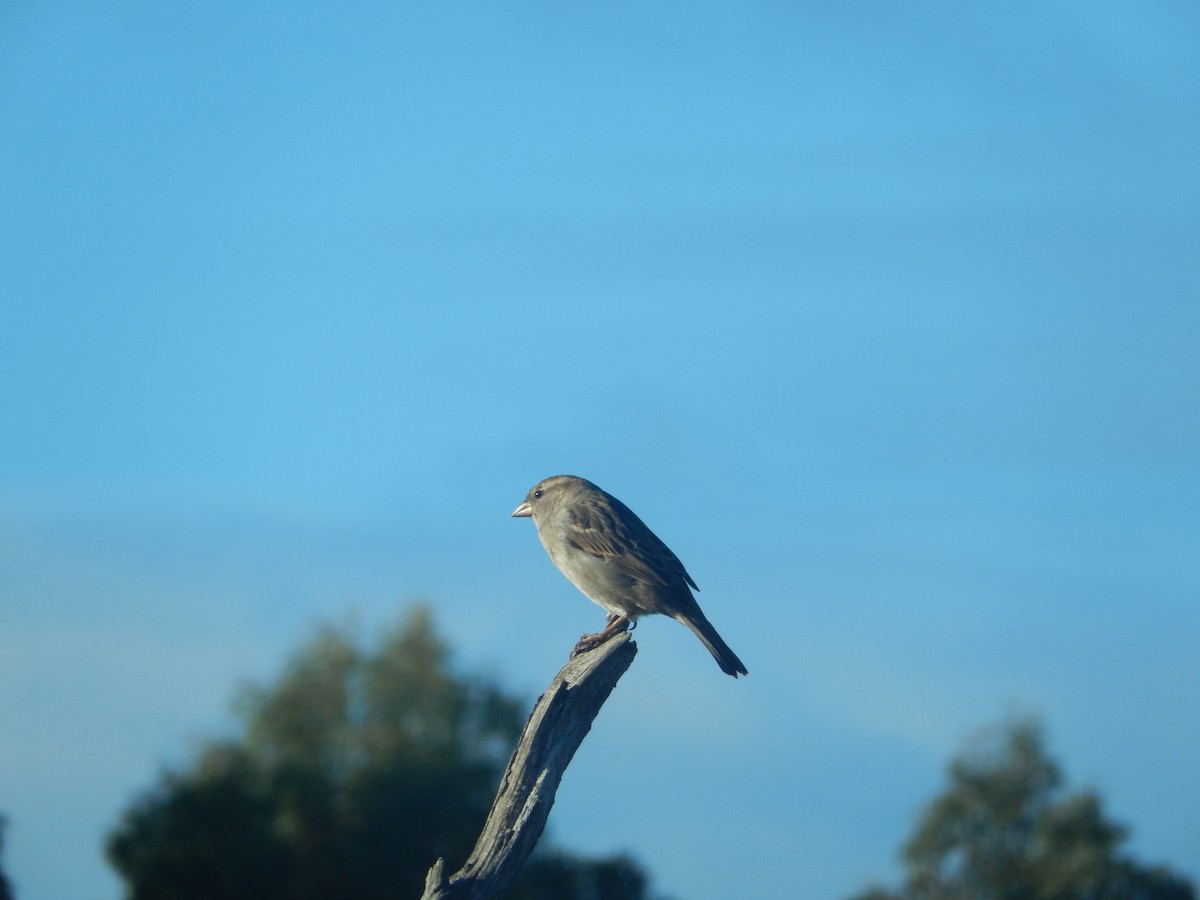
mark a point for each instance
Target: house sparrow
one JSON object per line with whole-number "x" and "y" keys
{"x": 608, "y": 553}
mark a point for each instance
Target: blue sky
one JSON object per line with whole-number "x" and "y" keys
{"x": 885, "y": 318}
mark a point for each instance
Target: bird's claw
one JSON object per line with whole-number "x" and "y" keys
{"x": 616, "y": 624}
{"x": 585, "y": 643}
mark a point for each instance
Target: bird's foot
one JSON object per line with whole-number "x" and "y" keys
{"x": 612, "y": 618}
{"x": 616, "y": 624}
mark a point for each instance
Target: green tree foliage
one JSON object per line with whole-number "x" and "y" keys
{"x": 555, "y": 875}
{"x": 356, "y": 771}
{"x": 1004, "y": 830}
{"x": 5, "y": 887}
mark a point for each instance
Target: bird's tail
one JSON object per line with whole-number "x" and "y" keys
{"x": 726, "y": 658}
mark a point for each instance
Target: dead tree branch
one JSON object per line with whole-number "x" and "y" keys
{"x": 560, "y": 720}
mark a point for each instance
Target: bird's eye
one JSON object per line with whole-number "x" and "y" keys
{"x": 537, "y": 494}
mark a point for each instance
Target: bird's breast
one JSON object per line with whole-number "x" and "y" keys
{"x": 600, "y": 581}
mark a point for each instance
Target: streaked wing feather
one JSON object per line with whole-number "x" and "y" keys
{"x": 634, "y": 549}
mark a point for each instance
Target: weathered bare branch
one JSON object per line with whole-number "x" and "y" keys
{"x": 560, "y": 720}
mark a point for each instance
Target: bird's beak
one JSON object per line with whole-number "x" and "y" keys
{"x": 524, "y": 511}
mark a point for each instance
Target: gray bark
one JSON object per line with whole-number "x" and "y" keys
{"x": 560, "y": 720}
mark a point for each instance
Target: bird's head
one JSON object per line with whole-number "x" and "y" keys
{"x": 546, "y": 494}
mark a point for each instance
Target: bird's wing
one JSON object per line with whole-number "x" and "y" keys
{"x": 633, "y": 549}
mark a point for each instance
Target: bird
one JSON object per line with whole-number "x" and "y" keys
{"x": 610, "y": 554}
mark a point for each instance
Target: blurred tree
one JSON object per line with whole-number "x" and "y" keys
{"x": 554, "y": 875}
{"x": 1002, "y": 831}
{"x": 356, "y": 771}
{"x": 5, "y": 888}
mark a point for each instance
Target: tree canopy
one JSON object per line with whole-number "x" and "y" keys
{"x": 357, "y": 769}
{"x": 1005, "y": 829}
{"x": 5, "y": 888}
